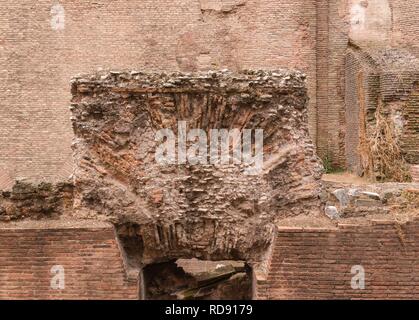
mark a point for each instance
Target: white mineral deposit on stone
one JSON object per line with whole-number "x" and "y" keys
{"x": 372, "y": 195}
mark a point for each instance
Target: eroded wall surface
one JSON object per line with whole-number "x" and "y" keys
{"x": 214, "y": 210}
{"x": 45, "y": 43}
{"x": 28, "y": 201}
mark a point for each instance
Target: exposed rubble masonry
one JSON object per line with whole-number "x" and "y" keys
{"x": 204, "y": 211}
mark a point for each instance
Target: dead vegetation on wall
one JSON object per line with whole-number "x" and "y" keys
{"x": 380, "y": 152}
{"x": 386, "y": 161}
{"x": 379, "y": 96}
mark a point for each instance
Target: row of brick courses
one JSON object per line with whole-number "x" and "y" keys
{"x": 353, "y": 68}
{"x": 322, "y": 71}
{"x": 304, "y": 264}
{"x": 93, "y": 266}
{"x": 334, "y": 119}
{"x": 405, "y": 24}
{"x": 316, "y": 264}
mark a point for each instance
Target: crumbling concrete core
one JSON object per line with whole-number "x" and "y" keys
{"x": 208, "y": 211}
{"x": 29, "y": 201}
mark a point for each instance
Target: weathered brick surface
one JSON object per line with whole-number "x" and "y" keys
{"x": 405, "y": 24}
{"x": 316, "y": 264}
{"x": 90, "y": 256}
{"x": 330, "y": 78}
{"x": 354, "y": 83}
{"x": 37, "y": 62}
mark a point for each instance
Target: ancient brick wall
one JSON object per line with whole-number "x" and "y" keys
{"x": 405, "y": 28}
{"x": 43, "y": 46}
{"x": 322, "y": 70}
{"x": 342, "y": 24}
{"x": 312, "y": 263}
{"x": 353, "y": 69}
{"x": 330, "y": 79}
{"x": 40, "y": 54}
{"x": 400, "y": 92}
{"x": 373, "y": 24}
{"x": 362, "y": 83}
{"x": 380, "y": 89}
{"x": 90, "y": 256}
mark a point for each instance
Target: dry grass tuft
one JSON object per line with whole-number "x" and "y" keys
{"x": 381, "y": 154}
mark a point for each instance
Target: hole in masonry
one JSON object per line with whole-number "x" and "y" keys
{"x": 193, "y": 279}
{"x": 130, "y": 237}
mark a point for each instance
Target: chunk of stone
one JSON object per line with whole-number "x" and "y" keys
{"x": 342, "y": 196}
{"x": 371, "y": 195}
{"x": 332, "y": 212}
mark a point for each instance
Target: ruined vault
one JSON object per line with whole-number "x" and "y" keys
{"x": 208, "y": 211}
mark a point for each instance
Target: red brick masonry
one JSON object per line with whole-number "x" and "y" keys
{"x": 316, "y": 264}
{"x": 304, "y": 263}
{"x": 93, "y": 266}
